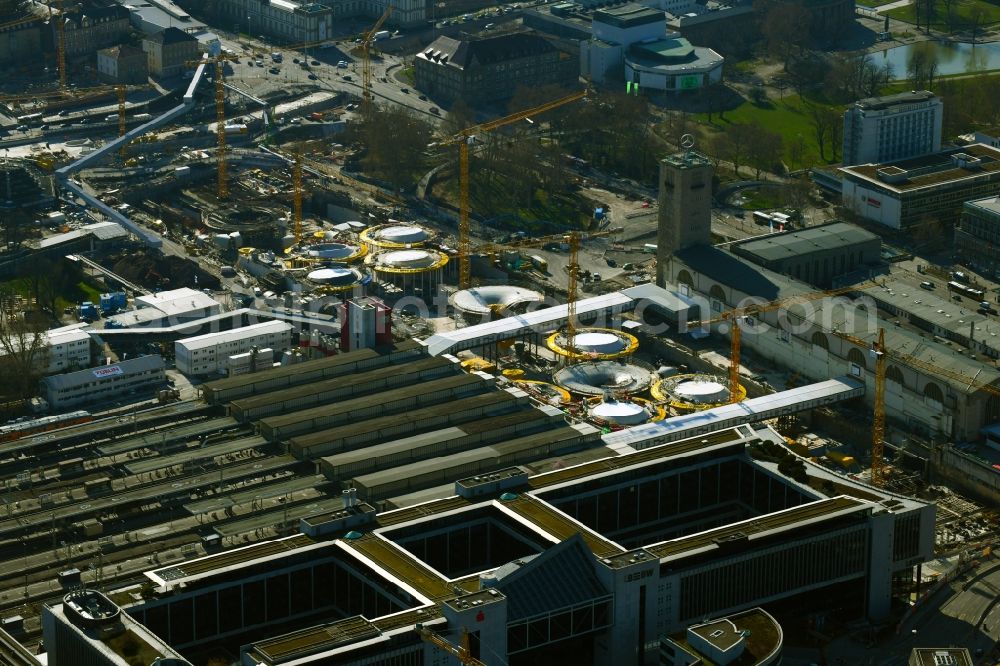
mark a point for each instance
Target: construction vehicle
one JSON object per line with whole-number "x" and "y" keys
{"x": 366, "y": 62}
{"x": 464, "y": 139}
{"x": 460, "y": 652}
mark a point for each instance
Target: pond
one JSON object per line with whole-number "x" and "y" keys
{"x": 952, "y": 57}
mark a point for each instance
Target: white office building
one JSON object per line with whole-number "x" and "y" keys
{"x": 131, "y": 377}
{"x": 894, "y": 127}
{"x": 209, "y": 354}
{"x": 65, "y": 348}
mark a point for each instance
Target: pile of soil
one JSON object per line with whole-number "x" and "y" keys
{"x": 163, "y": 272}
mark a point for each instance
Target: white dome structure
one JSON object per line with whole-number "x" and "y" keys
{"x": 336, "y": 278}
{"x": 694, "y": 392}
{"x": 493, "y": 298}
{"x": 593, "y": 344}
{"x": 620, "y": 412}
{"x": 395, "y": 235}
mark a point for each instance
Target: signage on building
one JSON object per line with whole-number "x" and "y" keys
{"x": 638, "y": 575}
{"x": 874, "y": 202}
{"x": 690, "y": 82}
{"x": 107, "y": 371}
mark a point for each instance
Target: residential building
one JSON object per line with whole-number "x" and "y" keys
{"x": 309, "y": 21}
{"x": 685, "y": 207}
{"x": 977, "y": 236}
{"x": 489, "y": 70}
{"x": 169, "y": 51}
{"x": 123, "y": 64}
{"x": 816, "y": 255}
{"x": 94, "y": 28}
{"x": 209, "y": 354}
{"x": 288, "y": 20}
{"x": 893, "y": 127}
{"x": 750, "y": 638}
{"x": 20, "y": 43}
{"x": 135, "y": 376}
{"x": 631, "y": 42}
{"x": 909, "y": 193}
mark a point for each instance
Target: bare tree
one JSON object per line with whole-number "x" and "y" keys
{"x": 764, "y": 149}
{"x": 821, "y": 128}
{"x": 922, "y": 65}
{"x": 978, "y": 16}
{"x": 23, "y": 345}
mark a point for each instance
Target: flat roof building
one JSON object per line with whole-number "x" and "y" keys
{"x": 209, "y": 354}
{"x": 817, "y": 255}
{"x": 88, "y": 629}
{"x": 752, "y": 637}
{"x": 977, "y": 236}
{"x": 134, "y": 376}
{"x": 908, "y": 193}
{"x": 940, "y": 657}
{"x": 168, "y": 308}
{"x": 892, "y": 127}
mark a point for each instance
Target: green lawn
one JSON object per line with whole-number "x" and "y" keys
{"x": 962, "y": 14}
{"x": 788, "y": 116}
{"x": 872, "y": 3}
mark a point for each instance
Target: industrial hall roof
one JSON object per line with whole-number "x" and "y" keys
{"x": 804, "y": 241}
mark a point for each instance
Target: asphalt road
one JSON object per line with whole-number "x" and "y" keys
{"x": 965, "y": 615}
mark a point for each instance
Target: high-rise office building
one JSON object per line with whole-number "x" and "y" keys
{"x": 893, "y": 127}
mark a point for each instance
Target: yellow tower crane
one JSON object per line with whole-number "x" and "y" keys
{"x": 463, "y": 139}
{"x": 222, "y": 188}
{"x": 460, "y": 652}
{"x": 220, "y": 60}
{"x": 733, "y": 317}
{"x": 297, "y": 195}
{"x": 573, "y": 239}
{"x": 878, "y": 349}
{"x": 121, "y": 115}
{"x": 878, "y": 417}
{"x": 366, "y": 63}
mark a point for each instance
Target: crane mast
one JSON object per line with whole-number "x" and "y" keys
{"x": 222, "y": 189}
{"x": 878, "y": 418}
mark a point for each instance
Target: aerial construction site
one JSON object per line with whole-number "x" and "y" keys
{"x": 297, "y": 399}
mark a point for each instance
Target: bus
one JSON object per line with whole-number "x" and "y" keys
{"x": 29, "y": 118}
{"x": 762, "y": 218}
{"x": 966, "y": 291}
